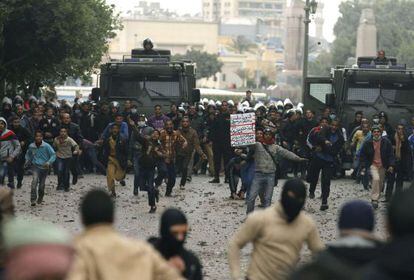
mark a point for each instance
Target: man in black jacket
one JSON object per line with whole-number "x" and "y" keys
{"x": 49, "y": 125}
{"x": 220, "y": 135}
{"x": 326, "y": 144}
{"x": 377, "y": 155}
{"x": 116, "y": 156}
{"x": 25, "y": 138}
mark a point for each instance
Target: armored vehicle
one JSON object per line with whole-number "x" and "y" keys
{"x": 369, "y": 87}
{"x": 149, "y": 79}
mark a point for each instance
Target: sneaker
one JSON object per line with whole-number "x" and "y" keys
{"x": 324, "y": 207}
{"x": 182, "y": 187}
{"x": 241, "y": 195}
{"x": 215, "y": 181}
{"x": 33, "y": 203}
{"x": 311, "y": 195}
{"x": 39, "y": 200}
{"x": 189, "y": 179}
{"x": 153, "y": 210}
{"x": 374, "y": 204}
{"x": 122, "y": 182}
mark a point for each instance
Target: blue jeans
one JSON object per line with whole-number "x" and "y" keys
{"x": 171, "y": 177}
{"x": 263, "y": 183}
{"x": 91, "y": 153}
{"x": 247, "y": 175}
{"x": 63, "y": 166}
{"x": 38, "y": 183}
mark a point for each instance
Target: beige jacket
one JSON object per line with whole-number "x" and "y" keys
{"x": 276, "y": 243}
{"x": 104, "y": 254}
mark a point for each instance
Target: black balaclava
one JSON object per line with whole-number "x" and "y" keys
{"x": 170, "y": 246}
{"x": 293, "y": 198}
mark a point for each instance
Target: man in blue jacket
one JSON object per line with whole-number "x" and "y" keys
{"x": 41, "y": 156}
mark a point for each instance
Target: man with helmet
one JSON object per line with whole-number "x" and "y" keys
{"x": 149, "y": 47}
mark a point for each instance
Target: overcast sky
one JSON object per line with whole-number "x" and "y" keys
{"x": 194, "y": 6}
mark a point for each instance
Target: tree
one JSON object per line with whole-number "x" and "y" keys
{"x": 322, "y": 65}
{"x": 395, "y": 26}
{"x": 241, "y": 44}
{"x": 46, "y": 41}
{"x": 208, "y": 64}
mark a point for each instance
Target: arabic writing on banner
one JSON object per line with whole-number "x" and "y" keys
{"x": 242, "y": 129}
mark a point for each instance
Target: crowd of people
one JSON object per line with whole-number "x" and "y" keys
{"x": 42, "y": 138}
{"x": 192, "y": 139}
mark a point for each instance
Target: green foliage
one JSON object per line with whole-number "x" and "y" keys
{"x": 208, "y": 64}
{"x": 241, "y": 44}
{"x": 46, "y": 41}
{"x": 322, "y": 65}
{"x": 395, "y": 25}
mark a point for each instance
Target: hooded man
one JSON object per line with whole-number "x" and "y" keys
{"x": 9, "y": 149}
{"x": 173, "y": 230}
{"x": 278, "y": 234}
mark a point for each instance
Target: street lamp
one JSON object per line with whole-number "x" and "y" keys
{"x": 310, "y": 8}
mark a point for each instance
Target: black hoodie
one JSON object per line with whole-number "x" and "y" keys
{"x": 169, "y": 246}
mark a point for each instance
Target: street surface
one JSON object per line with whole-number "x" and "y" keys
{"x": 212, "y": 216}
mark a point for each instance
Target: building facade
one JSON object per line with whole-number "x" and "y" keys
{"x": 177, "y": 36}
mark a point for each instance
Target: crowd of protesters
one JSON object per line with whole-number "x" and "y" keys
{"x": 192, "y": 139}
{"x": 42, "y": 138}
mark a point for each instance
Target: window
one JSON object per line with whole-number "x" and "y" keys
{"x": 363, "y": 94}
{"x": 319, "y": 91}
{"x": 398, "y": 94}
{"x": 138, "y": 87}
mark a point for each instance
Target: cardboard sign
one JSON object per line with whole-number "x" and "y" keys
{"x": 242, "y": 129}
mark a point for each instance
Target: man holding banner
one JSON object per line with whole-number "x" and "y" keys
{"x": 264, "y": 152}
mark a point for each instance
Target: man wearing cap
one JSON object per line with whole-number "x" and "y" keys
{"x": 356, "y": 247}
{"x": 377, "y": 155}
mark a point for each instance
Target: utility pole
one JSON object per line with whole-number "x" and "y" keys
{"x": 310, "y": 8}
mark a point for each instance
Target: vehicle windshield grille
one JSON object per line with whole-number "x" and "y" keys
{"x": 137, "y": 88}
{"x": 359, "y": 94}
